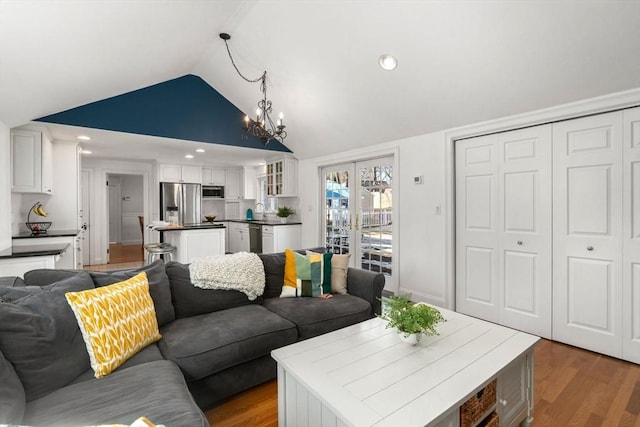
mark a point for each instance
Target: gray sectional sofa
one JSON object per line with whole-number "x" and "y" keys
{"x": 215, "y": 343}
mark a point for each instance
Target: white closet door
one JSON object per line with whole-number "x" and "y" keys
{"x": 631, "y": 238}
{"x": 587, "y": 229}
{"x": 477, "y": 253}
{"x": 525, "y": 229}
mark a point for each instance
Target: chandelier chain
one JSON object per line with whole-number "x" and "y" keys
{"x": 261, "y": 78}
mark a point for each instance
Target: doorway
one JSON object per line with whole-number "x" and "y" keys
{"x": 358, "y": 213}
{"x": 126, "y": 204}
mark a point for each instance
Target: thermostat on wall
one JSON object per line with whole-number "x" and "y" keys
{"x": 417, "y": 179}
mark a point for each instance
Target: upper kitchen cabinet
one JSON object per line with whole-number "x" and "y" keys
{"x": 282, "y": 177}
{"x": 31, "y": 162}
{"x": 180, "y": 173}
{"x": 212, "y": 176}
{"x": 241, "y": 183}
{"x": 233, "y": 184}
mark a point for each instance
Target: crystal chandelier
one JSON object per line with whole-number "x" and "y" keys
{"x": 263, "y": 126}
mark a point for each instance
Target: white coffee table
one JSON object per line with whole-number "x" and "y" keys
{"x": 363, "y": 375}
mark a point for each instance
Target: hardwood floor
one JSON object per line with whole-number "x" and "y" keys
{"x": 125, "y": 253}
{"x": 573, "y": 387}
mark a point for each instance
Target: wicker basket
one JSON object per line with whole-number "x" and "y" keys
{"x": 473, "y": 409}
{"x": 492, "y": 420}
{"x": 38, "y": 227}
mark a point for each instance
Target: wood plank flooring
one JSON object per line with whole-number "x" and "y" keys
{"x": 573, "y": 387}
{"x": 125, "y": 253}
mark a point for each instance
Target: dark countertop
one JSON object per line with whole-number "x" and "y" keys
{"x": 49, "y": 233}
{"x": 264, "y": 222}
{"x": 34, "y": 250}
{"x": 201, "y": 226}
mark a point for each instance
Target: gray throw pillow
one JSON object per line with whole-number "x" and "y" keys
{"x": 40, "y": 336}
{"x": 47, "y": 276}
{"x": 158, "y": 287}
{"x": 12, "y": 399}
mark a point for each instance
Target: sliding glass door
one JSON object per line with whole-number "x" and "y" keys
{"x": 358, "y": 212}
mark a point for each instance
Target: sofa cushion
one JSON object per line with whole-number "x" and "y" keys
{"x": 150, "y": 353}
{"x": 12, "y": 398}
{"x": 159, "y": 287}
{"x": 316, "y": 316}
{"x": 116, "y": 321}
{"x": 11, "y": 281}
{"x": 191, "y": 301}
{"x": 40, "y": 336}
{"x": 205, "y": 344}
{"x": 156, "y": 390}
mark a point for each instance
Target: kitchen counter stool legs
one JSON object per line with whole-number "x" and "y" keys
{"x": 158, "y": 249}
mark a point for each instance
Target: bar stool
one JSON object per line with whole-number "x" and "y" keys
{"x": 157, "y": 249}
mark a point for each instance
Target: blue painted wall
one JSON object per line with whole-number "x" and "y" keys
{"x": 182, "y": 108}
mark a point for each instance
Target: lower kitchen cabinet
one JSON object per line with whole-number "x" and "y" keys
{"x": 66, "y": 260}
{"x": 198, "y": 243}
{"x": 238, "y": 237}
{"x": 277, "y": 238}
{"x": 515, "y": 383}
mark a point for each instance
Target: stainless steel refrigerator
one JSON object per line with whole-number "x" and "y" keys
{"x": 180, "y": 203}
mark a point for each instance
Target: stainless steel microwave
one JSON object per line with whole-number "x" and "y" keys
{"x": 213, "y": 192}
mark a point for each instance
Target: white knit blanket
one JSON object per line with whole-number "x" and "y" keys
{"x": 242, "y": 271}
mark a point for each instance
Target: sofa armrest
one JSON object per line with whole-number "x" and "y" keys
{"x": 367, "y": 285}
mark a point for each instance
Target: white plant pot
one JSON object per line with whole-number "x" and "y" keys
{"x": 283, "y": 220}
{"x": 411, "y": 339}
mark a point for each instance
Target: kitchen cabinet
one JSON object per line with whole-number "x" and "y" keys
{"x": 250, "y": 182}
{"x": 277, "y": 238}
{"x": 67, "y": 260}
{"x": 192, "y": 244}
{"x": 179, "y": 173}
{"x": 282, "y": 177}
{"x": 233, "y": 184}
{"x": 212, "y": 176}
{"x": 238, "y": 237}
{"x": 31, "y": 162}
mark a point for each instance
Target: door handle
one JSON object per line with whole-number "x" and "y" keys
{"x": 589, "y": 248}
{"x": 519, "y": 242}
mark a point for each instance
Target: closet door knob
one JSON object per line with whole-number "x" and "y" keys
{"x": 589, "y": 248}
{"x": 519, "y": 242}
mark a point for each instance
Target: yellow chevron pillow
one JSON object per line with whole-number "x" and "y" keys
{"x": 116, "y": 321}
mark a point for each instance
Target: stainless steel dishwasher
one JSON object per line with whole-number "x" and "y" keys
{"x": 255, "y": 238}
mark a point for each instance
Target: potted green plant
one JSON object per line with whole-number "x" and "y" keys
{"x": 284, "y": 212}
{"x": 412, "y": 321}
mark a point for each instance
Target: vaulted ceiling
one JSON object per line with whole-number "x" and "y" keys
{"x": 460, "y": 62}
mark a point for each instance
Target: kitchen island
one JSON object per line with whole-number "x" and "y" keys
{"x": 194, "y": 240}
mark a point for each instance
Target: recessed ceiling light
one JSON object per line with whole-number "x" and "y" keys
{"x": 189, "y": 156}
{"x": 199, "y": 150}
{"x": 85, "y": 152}
{"x": 84, "y": 138}
{"x": 388, "y": 62}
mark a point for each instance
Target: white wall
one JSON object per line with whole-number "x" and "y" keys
{"x": 424, "y": 240}
{"x": 419, "y": 235}
{"x": 5, "y": 187}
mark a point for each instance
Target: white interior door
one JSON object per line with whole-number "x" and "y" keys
{"x": 525, "y": 238}
{"x": 503, "y": 228}
{"x": 85, "y": 220}
{"x": 631, "y": 237}
{"x": 587, "y": 246}
{"x": 477, "y": 252}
